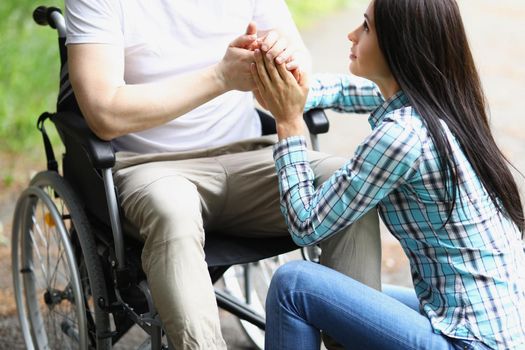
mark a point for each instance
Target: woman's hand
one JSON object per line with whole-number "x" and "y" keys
{"x": 282, "y": 94}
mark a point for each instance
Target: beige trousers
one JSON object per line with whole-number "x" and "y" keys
{"x": 174, "y": 198}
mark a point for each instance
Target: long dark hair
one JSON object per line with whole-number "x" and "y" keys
{"x": 427, "y": 51}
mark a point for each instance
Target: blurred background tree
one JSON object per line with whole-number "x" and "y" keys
{"x": 28, "y": 73}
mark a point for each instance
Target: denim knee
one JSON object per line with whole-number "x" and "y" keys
{"x": 288, "y": 278}
{"x": 280, "y": 286}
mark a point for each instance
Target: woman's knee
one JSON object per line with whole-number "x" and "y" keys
{"x": 290, "y": 277}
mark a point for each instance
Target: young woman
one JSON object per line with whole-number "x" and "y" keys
{"x": 434, "y": 172}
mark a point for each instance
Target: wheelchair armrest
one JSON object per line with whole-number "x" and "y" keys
{"x": 316, "y": 121}
{"x": 100, "y": 153}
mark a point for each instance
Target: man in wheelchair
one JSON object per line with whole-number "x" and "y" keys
{"x": 155, "y": 79}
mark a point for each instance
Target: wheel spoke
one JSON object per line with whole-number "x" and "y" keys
{"x": 39, "y": 232}
{"x": 63, "y": 315}
{"x": 55, "y": 292}
{"x": 55, "y": 271}
{"x": 45, "y": 234}
{"x": 58, "y": 319}
{"x": 37, "y": 251}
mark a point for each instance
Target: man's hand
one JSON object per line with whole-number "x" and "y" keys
{"x": 234, "y": 69}
{"x": 234, "y": 72}
{"x": 277, "y": 47}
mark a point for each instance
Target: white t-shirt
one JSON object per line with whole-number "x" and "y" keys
{"x": 164, "y": 38}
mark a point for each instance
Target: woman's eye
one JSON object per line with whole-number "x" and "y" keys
{"x": 365, "y": 26}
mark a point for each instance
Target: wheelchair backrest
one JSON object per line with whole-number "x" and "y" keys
{"x": 76, "y": 166}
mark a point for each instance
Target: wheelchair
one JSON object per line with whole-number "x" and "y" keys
{"x": 77, "y": 276}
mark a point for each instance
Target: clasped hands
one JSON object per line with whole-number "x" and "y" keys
{"x": 268, "y": 66}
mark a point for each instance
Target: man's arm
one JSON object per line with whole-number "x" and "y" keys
{"x": 113, "y": 108}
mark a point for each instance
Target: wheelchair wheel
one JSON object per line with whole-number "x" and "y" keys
{"x": 311, "y": 253}
{"x": 249, "y": 283}
{"x": 56, "y": 272}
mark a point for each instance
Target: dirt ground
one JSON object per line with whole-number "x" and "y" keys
{"x": 494, "y": 29}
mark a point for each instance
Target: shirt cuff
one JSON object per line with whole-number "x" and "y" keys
{"x": 314, "y": 94}
{"x": 290, "y": 151}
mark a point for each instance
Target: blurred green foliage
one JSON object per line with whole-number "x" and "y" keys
{"x": 29, "y": 66}
{"x": 308, "y": 11}
{"x": 28, "y": 74}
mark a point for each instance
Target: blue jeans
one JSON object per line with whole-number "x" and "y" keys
{"x": 305, "y": 298}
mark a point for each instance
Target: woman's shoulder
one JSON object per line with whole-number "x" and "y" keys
{"x": 406, "y": 123}
{"x": 406, "y": 117}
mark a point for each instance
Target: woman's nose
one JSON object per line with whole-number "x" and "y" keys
{"x": 352, "y": 36}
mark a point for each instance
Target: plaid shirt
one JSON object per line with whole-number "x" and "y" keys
{"x": 469, "y": 274}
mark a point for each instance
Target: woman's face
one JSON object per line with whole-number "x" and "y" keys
{"x": 366, "y": 59}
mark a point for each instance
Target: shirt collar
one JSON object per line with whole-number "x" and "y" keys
{"x": 398, "y": 100}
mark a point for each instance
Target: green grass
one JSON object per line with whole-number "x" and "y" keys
{"x": 29, "y": 66}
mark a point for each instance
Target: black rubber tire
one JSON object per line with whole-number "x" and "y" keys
{"x": 88, "y": 252}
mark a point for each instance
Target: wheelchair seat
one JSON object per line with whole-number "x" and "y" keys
{"x": 85, "y": 152}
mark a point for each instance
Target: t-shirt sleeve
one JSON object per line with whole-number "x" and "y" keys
{"x": 93, "y": 21}
{"x": 270, "y": 14}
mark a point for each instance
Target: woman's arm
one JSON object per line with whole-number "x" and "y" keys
{"x": 386, "y": 159}
{"x": 344, "y": 93}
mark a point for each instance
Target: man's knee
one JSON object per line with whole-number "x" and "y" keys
{"x": 363, "y": 231}
{"x": 325, "y": 166}
{"x": 167, "y": 209}
{"x": 356, "y": 251}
